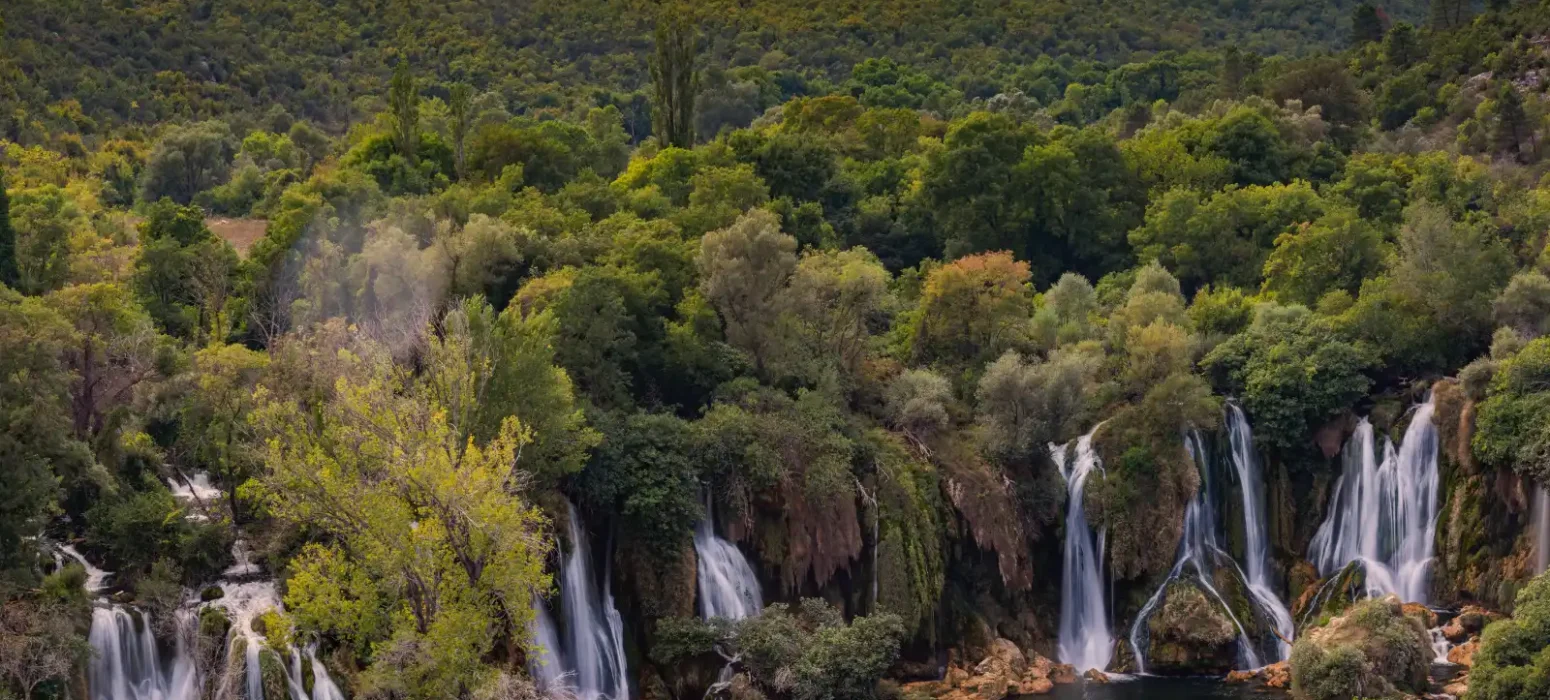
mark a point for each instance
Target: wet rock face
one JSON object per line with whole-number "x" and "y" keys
{"x": 1190, "y": 634}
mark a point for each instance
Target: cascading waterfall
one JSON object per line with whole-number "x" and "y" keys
{"x": 1541, "y": 529}
{"x": 1256, "y": 554}
{"x": 728, "y": 586}
{"x": 1198, "y": 553}
{"x": 96, "y": 579}
{"x": 589, "y": 655}
{"x": 128, "y": 665}
{"x": 1384, "y": 514}
{"x": 1085, "y": 639}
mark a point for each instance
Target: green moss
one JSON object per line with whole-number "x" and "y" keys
{"x": 911, "y": 570}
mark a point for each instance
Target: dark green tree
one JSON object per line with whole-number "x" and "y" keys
{"x": 404, "y": 103}
{"x": 8, "y": 273}
{"x": 1366, "y": 25}
{"x": 1512, "y": 128}
{"x": 1401, "y": 46}
{"x": 1446, "y": 14}
{"x": 460, "y": 104}
{"x": 676, "y": 82}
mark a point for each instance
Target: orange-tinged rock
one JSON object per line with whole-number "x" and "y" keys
{"x": 1096, "y": 676}
{"x": 1464, "y": 654}
{"x": 1063, "y": 673}
{"x": 1241, "y": 676}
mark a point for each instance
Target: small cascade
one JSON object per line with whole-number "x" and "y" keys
{"x": 96, "y": 579}
{"x": 1198, "y": 557}
{"x": 587, "y": 656}
{"x": 1541, "y": 529}
{"x": 1085, "y": 639}
{"x": 1256, "y": 555}
{"x": 1384, "y": 513}
{"x": 242, "y": 566}
{"x": 127, "y": 663}
{"x": 1440, "y": 646}
{"x": 728, "y": 586}
{"x": 196, "y": 490}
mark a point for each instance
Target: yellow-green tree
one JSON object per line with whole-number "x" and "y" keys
{"x": 433, "y": 554}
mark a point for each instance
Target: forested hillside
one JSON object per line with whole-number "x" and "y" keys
{"x": 147, "y": 62}
{"x": 771, "y": 351}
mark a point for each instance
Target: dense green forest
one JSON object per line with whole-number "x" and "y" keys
{"x": 543, "y": 286}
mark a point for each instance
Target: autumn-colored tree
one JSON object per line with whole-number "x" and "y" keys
{"x": 972, "y": 310}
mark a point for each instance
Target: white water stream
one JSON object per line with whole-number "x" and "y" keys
{"x": 1085, "y": 641}
{"x": 728, "y": 586}
{"x": 587, "y": 656}
{"x": 1384, "y": 513}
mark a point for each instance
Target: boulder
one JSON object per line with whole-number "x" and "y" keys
{"x": 1464, "y": 654}
{"x": 1470, "y": 621}
{"x": 1093, "y": 675}
{"x": 1457, "y": 687}
{"x": 1063, "y": 674}
{"x": 928, "y": 689}
{"x": 1035, "y": 686}
{"x": 1004, "y": 659}
{"x": 1372, "y": 650}
{"x": 1278, "y": 674}
{"x": 1189, "y": 633}
{"x": 1422, "y": 613}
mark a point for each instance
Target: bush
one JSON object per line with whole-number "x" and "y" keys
{"x": 1514, "y": 658}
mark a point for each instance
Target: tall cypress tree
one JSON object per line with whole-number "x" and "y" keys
{"x": 1511, "y": 121}
{"x": 1366, "y": 25}
{"x": 9, "y": 275}
{"x": 676, "y": 81}
{"x": 404, "y": 102}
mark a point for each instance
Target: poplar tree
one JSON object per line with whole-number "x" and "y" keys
{"x": 675, "y": 79}
{"x": 8, "y": 272}
{"x": 404, "y": 102}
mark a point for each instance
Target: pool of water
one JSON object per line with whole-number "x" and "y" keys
{"x": 1159, "y": 688}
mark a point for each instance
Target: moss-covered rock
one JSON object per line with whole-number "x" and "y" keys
{"x": 272, "y": 670}
{"x": 1373, "y": 650}
{"x": 1190, "y": 633}
{"x": 1321, "y": 603}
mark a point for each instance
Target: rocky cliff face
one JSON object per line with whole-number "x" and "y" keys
{"x": 1484, "y": 547}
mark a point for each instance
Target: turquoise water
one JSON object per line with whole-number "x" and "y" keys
{"x": 1158, "y": 688}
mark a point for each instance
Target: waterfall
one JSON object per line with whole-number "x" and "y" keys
{"x": 728, "y": 587}
{"x": 128, "y": 665}
{"x": 543, "y": 660}
{"x": 96, "y": 579}
{"x": 1198, "y": 551}
{"x": 590, "y": 652}
{"x": 1384, "y": 514}
{"x": 1256, "y": 554}
{"x": 1541, "y": 529}
{"x": 1085, "y": 640}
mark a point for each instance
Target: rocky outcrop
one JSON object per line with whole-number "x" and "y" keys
{"x": 1469, "y": 623}
{"x": 1276, "y": 675}
{"x": 1464, "y": 654}
{"x": 1005, "y": 671}
{"x": 1190, "y": 633}
{"x": 1373, "y": 650}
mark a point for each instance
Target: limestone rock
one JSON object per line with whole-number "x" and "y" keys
{"x": 1278, "y": 674}
{"x": 1457, "y": 687}
{"x": 1093, "y": 675}
{"x": 1371, "y": 650}
{"x": 1241, "y": 676}
{"x": 1004, "y": 659}
{"x": 1464, "y": 654}
{"x": 1422, "y": 613}
{"x": 1470, "y": 621}
{"x": 1063, "y": 674}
